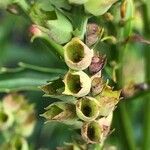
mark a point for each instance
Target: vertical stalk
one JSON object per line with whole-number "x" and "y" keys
{"x": 146, "y": 125}
{"x": 126, "y": 124}
{"x": 122, "y": 110}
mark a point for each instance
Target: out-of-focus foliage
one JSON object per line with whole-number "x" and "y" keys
{"x": 15, "y": 47}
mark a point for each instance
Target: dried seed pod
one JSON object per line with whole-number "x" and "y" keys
{"x": 92, "y": 132}
{"x": 96, "y": 131}
{"x": 98, "y": 7}
{"x": 77, "y": 55}
{"x": 97, "y": 64}
{"x": 19, "y": 143}
{"x": 92, "y": 34}
{"x": 87, "y": 108}
{"x": 97, "y": 84}
{"x": 77, "y": 83}
{"x": 6, "y": 119}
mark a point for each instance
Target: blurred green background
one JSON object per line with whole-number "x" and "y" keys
{"x": 15, "y": 47}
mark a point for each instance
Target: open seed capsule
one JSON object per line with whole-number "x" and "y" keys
{"x": 87, "y": 108}
{"x": 97, "y": 131}
{"x": 77, "y": 83}
{"x": 92, "y": 132}
{"x": 77, "y": 55}
{"x": 19, "y": 143}
{"x": 6, "y": 119}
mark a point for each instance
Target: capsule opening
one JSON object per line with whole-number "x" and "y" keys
{"x": 74, "y": 84}
{"x": 89, "y": 108}
{"x": 75, "y": 51}
{"x": 18, "y": 144}
{"x": 3, "y": 117}
{"x": 94, "y": 132}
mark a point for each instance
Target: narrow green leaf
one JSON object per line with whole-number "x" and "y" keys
{"x": 25, "y": 79}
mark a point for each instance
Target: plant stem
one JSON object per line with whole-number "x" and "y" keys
{"x": 126, "y": 124}
{"x": 57, "y": 49}
{"x": 123, "y": 113}
{"x": 41, "y": 69}
{"x": 146, "y": 125}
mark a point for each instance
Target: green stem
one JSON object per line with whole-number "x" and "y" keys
{"x": 125, "y": 120}
{"x": 123, "y": 113}
{"x": 127, "y": 127}
{"x": 41, "y": 69}
{"x": 54, "y": 47}
{"x": 146, "y": 125}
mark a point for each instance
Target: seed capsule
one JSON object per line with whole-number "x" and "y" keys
{"x": 87, "y": 108}
{"x": 77, "y": 83}
{"x": 77, "y": 55}
{"x": 92, "y": 132}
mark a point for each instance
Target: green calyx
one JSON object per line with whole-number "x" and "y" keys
{"x": 58, "y": 26}
{"x": 98, "y": 7}
{"x": 60, "y": 111}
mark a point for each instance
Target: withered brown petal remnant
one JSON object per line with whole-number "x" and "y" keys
{"x": 97, "y": 64}
{"x": 92, "y": 34}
